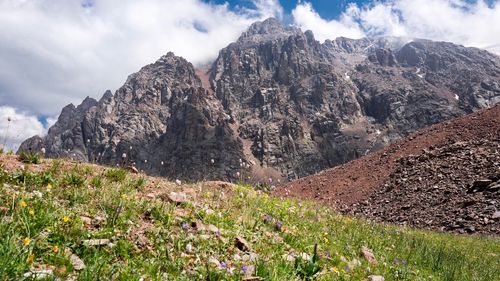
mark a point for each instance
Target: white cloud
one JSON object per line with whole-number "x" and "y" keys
{"x": 17, "y": 126}
{"x": 56, "y": 52}
{"x": 474, "y": 24}
{"x": 307, "y": 18}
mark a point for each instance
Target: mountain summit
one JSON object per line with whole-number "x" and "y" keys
{"x": 278, "y": 104}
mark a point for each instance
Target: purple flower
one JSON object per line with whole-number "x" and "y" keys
{"x": 347, "y": 268}
{"x": 267, "y": 218}
{"x": 223, "y": 265}
{"x": 244, "y": 269}
{"x": 396, "y": 261}
{"x": 327, "y": 254}
{"x": 184, "y": 225}
{"x": 278, "y": 225}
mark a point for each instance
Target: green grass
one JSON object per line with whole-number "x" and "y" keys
{"x": 149, "y": 237}
{"x": 30, "y": 157}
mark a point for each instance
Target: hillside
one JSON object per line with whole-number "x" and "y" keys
{"x": 73, "y": 221}
{"x": 279, "y": 103}
{"x": 423, "y": 180}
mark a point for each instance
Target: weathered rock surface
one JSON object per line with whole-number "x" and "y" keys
{"x": 445, "y": 177}
{"x": 275, "y": 103}
{"x": 453, "y": 188}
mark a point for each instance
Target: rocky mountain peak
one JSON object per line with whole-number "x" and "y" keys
{"x": 277, "y": 103}
{"x": 266, "y": 30}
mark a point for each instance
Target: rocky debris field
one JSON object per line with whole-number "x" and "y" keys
{"x": 470, "y": 144}
{"x": 454, "y": 187}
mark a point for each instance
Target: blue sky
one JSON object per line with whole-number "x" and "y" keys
{"x": 327, "y": 9}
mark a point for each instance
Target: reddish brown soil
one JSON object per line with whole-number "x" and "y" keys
{"x": 353, "y": 182}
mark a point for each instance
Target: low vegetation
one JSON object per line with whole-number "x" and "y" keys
{"x": 85, "y": 222}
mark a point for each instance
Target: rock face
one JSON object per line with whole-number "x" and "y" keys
{"x": 444, "y": 177}
{"x": 275, "y": 103}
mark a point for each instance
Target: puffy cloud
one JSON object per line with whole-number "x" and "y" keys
{"x": 307, "y": 18}
{"x": 17, "y": 126}
{"x": 59, "y": 51}
{"x": 474, "y": 24}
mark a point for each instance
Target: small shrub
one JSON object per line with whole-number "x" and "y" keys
{"x": 73, "y": 180}
{"x": 307, "y": 269}
{"x": 96, "y": 182}
{"x": 116, "y": 175}
{"x": 30, "y": 157}
{"x": 138, "y": 183}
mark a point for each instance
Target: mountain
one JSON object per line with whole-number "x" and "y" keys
{"x": 444, "y": 177}
{"x": 275, "y": 103}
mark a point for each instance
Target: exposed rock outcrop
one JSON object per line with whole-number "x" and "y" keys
{"x": 279, "y": 104}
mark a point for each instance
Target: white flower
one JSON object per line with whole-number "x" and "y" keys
{"x": 124, "y": 155}
{"x": 130, "y": 147}
{"x": 88, "y": 140}
{"x": 238, "y": 174}
{"x": 43, "y": 150}
{"x": 212, "y": 161}
{"x": 145, "y": 160}
{"x": 178, "y": 182}
{"x": 162, "y": 163}
{"x": 37, "y": 194}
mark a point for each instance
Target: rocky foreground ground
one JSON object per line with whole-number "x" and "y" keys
{"x": 443, "y": 177}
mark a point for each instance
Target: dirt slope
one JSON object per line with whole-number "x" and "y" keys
{"x": 363, "y": 184}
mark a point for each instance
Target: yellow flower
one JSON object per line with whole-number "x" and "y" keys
{"x": 24, "y": 204}
{"x": 26, "y": 241}
{"x": 66, "y": 219}
{"x": 31, "y": 212}
{"x": 124, "y": 196}
{"x": 335, "y": 269}
{"x": 30, "y": 259}
{"x": 55, "y": 249}
{"x": 49, "y": 187}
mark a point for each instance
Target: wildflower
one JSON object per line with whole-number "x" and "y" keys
{"x": 212, "y": 161}
{"x": 130, "y": 147}
{"x": 124, "y": 196}
{"x": 31, "y": 212}
{"x": 347, "y": 268}
{"x": 88, "y": 140}
{"x": 327, "y": 254}
{"x": 184, "y": 225}
{"x": 270, "y": 180}
{"x": 124, "y": 155}
{"x": 30, "y": 259}
{"x": 43, "y": 150}
{"x": 223, "y": 265}
{"x": 396, "y": 261}
{"x": 238, "y": 174}
{"x": 267, "y": 218}
{"x": 162, "y": 163}
{"x": 26, "y": 241}
{"x": 49, "y": 187}
{"x": 66, "y": 219}
{"x": 178, "y": 182}
{"x": 244, "y": 269}
{"x": 55, "y": 249}
{"x": 145, "y": 160}
{"x": 335, "y": 270}
{"x": 278, "y": 225}
{"x": 24, "y": 204}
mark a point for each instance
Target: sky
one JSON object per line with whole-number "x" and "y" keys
{"x": 56, "y": 52}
